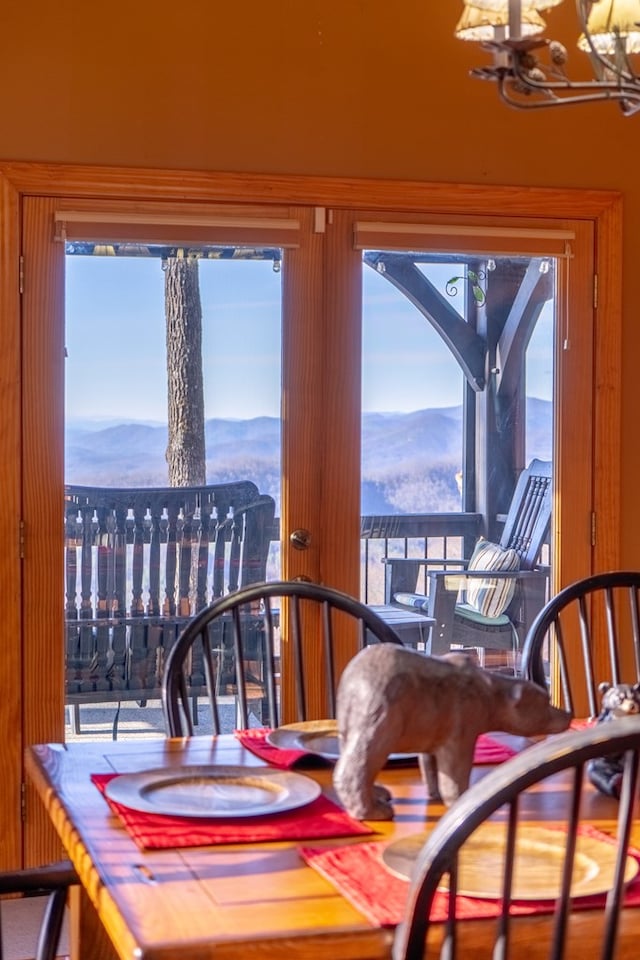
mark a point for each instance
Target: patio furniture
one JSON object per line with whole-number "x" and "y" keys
{"x": 602, "y": 610}
{"x": 449, "y": 850}
{"x": 139, "y": 563}
{"x": 266, "y": 625}
{"x": 51, "y": 881}
{"x": 412, "y": 628}
{"x": 488, "y": 600}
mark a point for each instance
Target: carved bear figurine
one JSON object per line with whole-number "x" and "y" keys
{"x": 617, "y": 700}
{"x": 391, "y": 699}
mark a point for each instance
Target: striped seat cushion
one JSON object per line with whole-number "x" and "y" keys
{"x": 416, "y": 600}
{"x": 491, "y": 597}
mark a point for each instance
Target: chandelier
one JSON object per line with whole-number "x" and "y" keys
{"x": 531, "y": 70}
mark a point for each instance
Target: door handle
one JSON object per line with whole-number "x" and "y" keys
{"x": 300, "y": 539}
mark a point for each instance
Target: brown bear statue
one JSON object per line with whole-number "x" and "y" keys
{"x": 395, "y": 700}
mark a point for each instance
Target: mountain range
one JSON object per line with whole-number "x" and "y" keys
{"x": 409, "y": 460}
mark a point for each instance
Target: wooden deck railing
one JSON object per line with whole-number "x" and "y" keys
{"x": 140, "y": 562}
{"x": 437, "y": 535}
{"x": 442, "y": 535}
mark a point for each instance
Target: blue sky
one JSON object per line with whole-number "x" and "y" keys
{"x": 115, "y": 305}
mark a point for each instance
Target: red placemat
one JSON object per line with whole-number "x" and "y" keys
{"x": 358, "y": 872}
{"x": 488, "y": 750}
{"x": 152, "y": 831}
{"x": 583, "y": 724}
{"x": 255, "y": 740}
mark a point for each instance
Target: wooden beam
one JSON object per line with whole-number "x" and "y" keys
{"x": 533, "y": 293}
{"x": 467, "y": 347}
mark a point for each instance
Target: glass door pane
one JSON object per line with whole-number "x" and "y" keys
{"x": 458, "y": 360}
{"x": 173, "y": 380}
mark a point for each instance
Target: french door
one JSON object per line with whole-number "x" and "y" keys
{"x": 549, "y": 264}
{"x": 320, "y": 400}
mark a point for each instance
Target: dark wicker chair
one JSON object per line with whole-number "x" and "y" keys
{"x": 51, "y": 881}
{"x": 504, "y": 790}
{"x": 249, "y": 622}
{"x": 602, "y": 610}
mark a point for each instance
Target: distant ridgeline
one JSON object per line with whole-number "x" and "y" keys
{"x": 411, "y": 462}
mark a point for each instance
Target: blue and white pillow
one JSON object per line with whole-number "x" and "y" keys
{"x": 491, "y": 597}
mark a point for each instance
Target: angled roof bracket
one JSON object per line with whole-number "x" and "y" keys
{"x": 465, "y": 344}
{"x": 534, "y": 291}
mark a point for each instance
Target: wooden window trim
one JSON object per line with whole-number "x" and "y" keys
{"x": 603, "y": 207}
{"x": 75, "y": 182}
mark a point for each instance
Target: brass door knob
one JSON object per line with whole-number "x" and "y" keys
{"x": 300, "y": 539}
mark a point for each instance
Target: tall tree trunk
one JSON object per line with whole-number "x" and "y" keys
{"x": 186, "y": 457}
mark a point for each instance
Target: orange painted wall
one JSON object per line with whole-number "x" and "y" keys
{"x": 366, "y": 88}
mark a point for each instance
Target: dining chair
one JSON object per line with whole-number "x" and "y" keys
{"x": 499, "y": 799}
{"x": 261, "y": 627}
{"x": 51, "y": 881}
{"x": 589, "y": 633}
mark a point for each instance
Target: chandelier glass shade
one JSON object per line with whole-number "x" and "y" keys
{"x": 609, "y": 18}
{"x": 502, "y": 6}
{"x": 531, "y": 70}
{"x": 482, "y": 25}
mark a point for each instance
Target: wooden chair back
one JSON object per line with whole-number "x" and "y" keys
{"x": 525, "y": 530}
{"x": 50, "y": 882}
{"x": 526, "y": 526}
{"x": 499, "y": 801}
{"x": 587, "y": 634}
{"x": 257, "y": 624}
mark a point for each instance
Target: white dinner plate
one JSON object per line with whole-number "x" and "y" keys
{"x": 540, "y": 855}
{"x": 319, "y": 737}
{"x": 213, "y": 791}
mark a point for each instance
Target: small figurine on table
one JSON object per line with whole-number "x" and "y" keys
{"x": 618, "y": 700}
{"x": 391, "y": 699}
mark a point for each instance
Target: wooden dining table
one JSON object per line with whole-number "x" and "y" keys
{"x": 255, "y": 900}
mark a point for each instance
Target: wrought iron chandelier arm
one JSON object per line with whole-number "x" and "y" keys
{"x": 621, "y": 86}
{"x": 526, "y": 82}
{"x": 629, "y": 100}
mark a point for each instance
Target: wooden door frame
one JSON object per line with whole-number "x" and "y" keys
{"x": 18, "y": 180}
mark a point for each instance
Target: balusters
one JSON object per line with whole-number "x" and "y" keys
{"x": 169, "y": 605}
{"x": 218, "y": 535}
{"x": 203, "y": 535}
{"x": 137, "y": 565}
{"x": 186, "y": 559}
{"x": 153, "y": 606}
{"x": 137, "y": 560}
